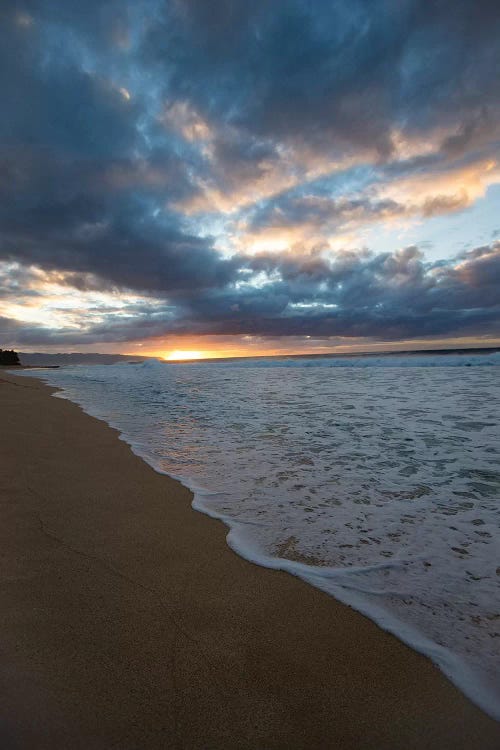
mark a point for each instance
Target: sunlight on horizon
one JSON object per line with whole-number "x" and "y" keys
{"x": 179, "y": 354}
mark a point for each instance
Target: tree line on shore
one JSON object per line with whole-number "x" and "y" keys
{"x": 9, "y": 357}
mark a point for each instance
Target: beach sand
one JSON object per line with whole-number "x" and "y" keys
{"x": 126, "y": 621}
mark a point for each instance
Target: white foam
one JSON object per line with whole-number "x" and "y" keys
{"x": 378, "y": 483}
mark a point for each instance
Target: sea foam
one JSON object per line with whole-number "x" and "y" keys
{"x": 375, "y": 479}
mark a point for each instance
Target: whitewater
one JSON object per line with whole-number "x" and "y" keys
{"x": 376, "y": 479}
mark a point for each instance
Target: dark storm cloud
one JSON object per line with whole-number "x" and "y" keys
{"x": 331, "y": 72}
{"x": 387, "y": 296}
{"x": 327, "y": 213}
{"x": 7, "y": 324}
{"x": 79, "y": 189}
{"x": 93, "y": 173}
{"x": 289, "y": 211}
{"x": 118, "y": 249}
{"x": 86, "y": 219}
{"x": 50, "y": 101}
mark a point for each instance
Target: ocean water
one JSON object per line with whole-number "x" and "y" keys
{"x": 376, "y": 479}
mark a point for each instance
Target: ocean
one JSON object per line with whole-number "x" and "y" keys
{"x": 376, "y": 479}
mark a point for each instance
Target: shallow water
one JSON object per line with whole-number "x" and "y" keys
{"x": 377, "y": 480}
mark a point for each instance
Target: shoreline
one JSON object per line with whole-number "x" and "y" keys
{"x": 151, "y": 632}
{"x": 472, "y": 684}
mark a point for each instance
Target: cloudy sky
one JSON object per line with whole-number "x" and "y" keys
{"x": 240, "y": 177}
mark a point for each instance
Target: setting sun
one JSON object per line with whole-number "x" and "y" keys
{"x": 179, "y": 354}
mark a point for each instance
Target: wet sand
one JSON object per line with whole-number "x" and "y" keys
{"x": 126, "y": 622}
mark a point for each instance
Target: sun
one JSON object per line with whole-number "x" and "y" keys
{"x": 181, "y": 354}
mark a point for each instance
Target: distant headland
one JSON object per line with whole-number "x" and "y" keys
{"x": 9, "y": 357}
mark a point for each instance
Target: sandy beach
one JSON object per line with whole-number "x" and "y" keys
{"x": 126, "y": 621}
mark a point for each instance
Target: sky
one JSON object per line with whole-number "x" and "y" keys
{"x": 182, "y": 177}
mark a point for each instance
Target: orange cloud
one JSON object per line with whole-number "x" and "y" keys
{"x": 441, "y": 192}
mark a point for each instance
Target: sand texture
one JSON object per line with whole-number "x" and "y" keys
{"x": 126, "y": 622}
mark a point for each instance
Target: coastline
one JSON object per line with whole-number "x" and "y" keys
{"x": 128, "y": 621}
